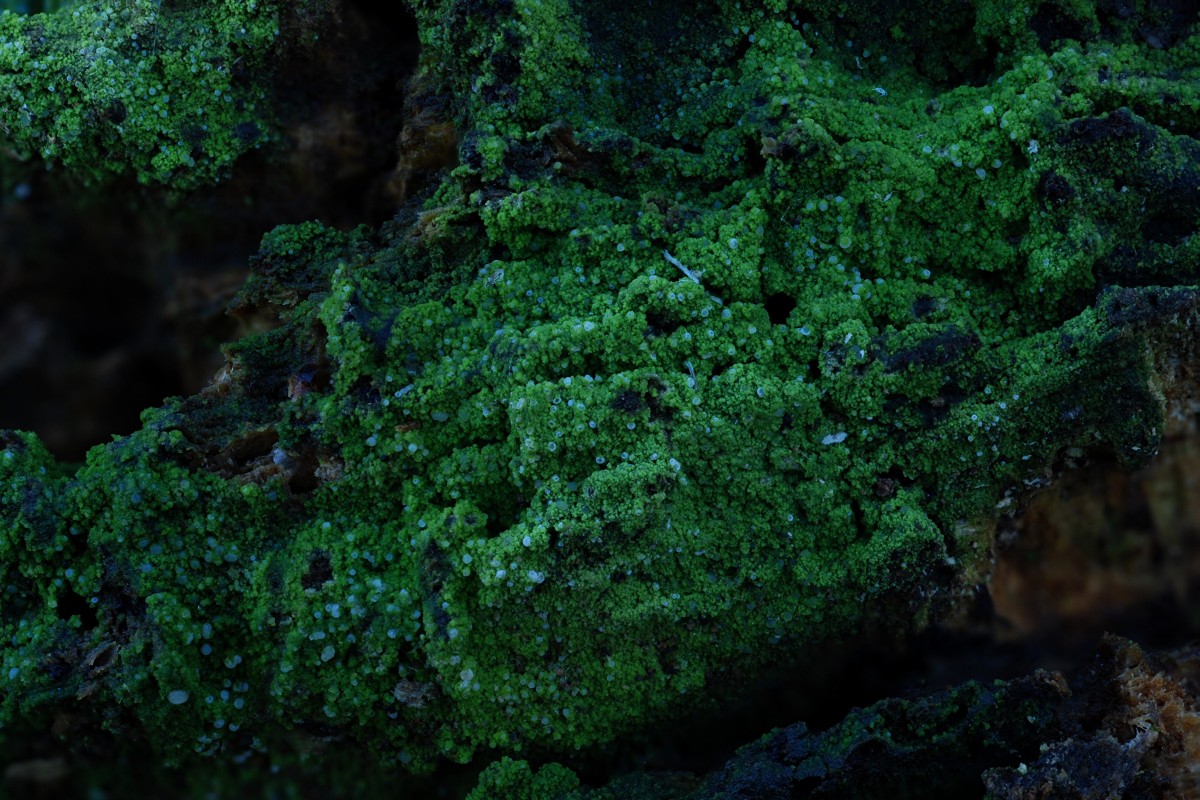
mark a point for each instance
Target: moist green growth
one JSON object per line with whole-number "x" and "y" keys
{"x": 169, "y": 93}
{"x": 728, "y": 336}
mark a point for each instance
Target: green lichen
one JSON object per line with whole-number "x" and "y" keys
{"x": 168, "y": 94}
{"x": 706, "y": 354}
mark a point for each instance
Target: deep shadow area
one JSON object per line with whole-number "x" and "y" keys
{"x": 114, "y": 297}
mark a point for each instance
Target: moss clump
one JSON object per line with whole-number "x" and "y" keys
{"x": 170, "y": 94}
{"x": 693, "y": 363}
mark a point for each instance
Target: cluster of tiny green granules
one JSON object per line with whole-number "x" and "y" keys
{"x": 170, "y": 94}
{"x": 729, "y": 332}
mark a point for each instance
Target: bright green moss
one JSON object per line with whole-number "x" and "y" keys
{"x": 706, "y": 354}
{"x": 168, "y": 93}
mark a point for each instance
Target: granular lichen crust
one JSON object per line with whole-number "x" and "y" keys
{"x": 168, "y": 93}
{"x": 727, "y": 337}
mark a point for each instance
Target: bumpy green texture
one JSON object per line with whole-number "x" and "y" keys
{"x": 726, "y": 338}
{"x": 169, "y": 93}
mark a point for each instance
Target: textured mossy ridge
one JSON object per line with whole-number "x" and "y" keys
{"x": 730, "y": 333}
{"x": 170, "y": 93}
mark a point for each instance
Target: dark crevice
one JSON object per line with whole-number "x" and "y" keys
{"x": 319, "y": 572}
{"x": 72, "y": 604}
{"x": 628, "y": 401}
{"x": 660, "y": 325}
{"x": 779, "y": 306}
{"x": 1052, "y": 24}
{"x": 501, "y": 516}
{"x": 755, "y": 161}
